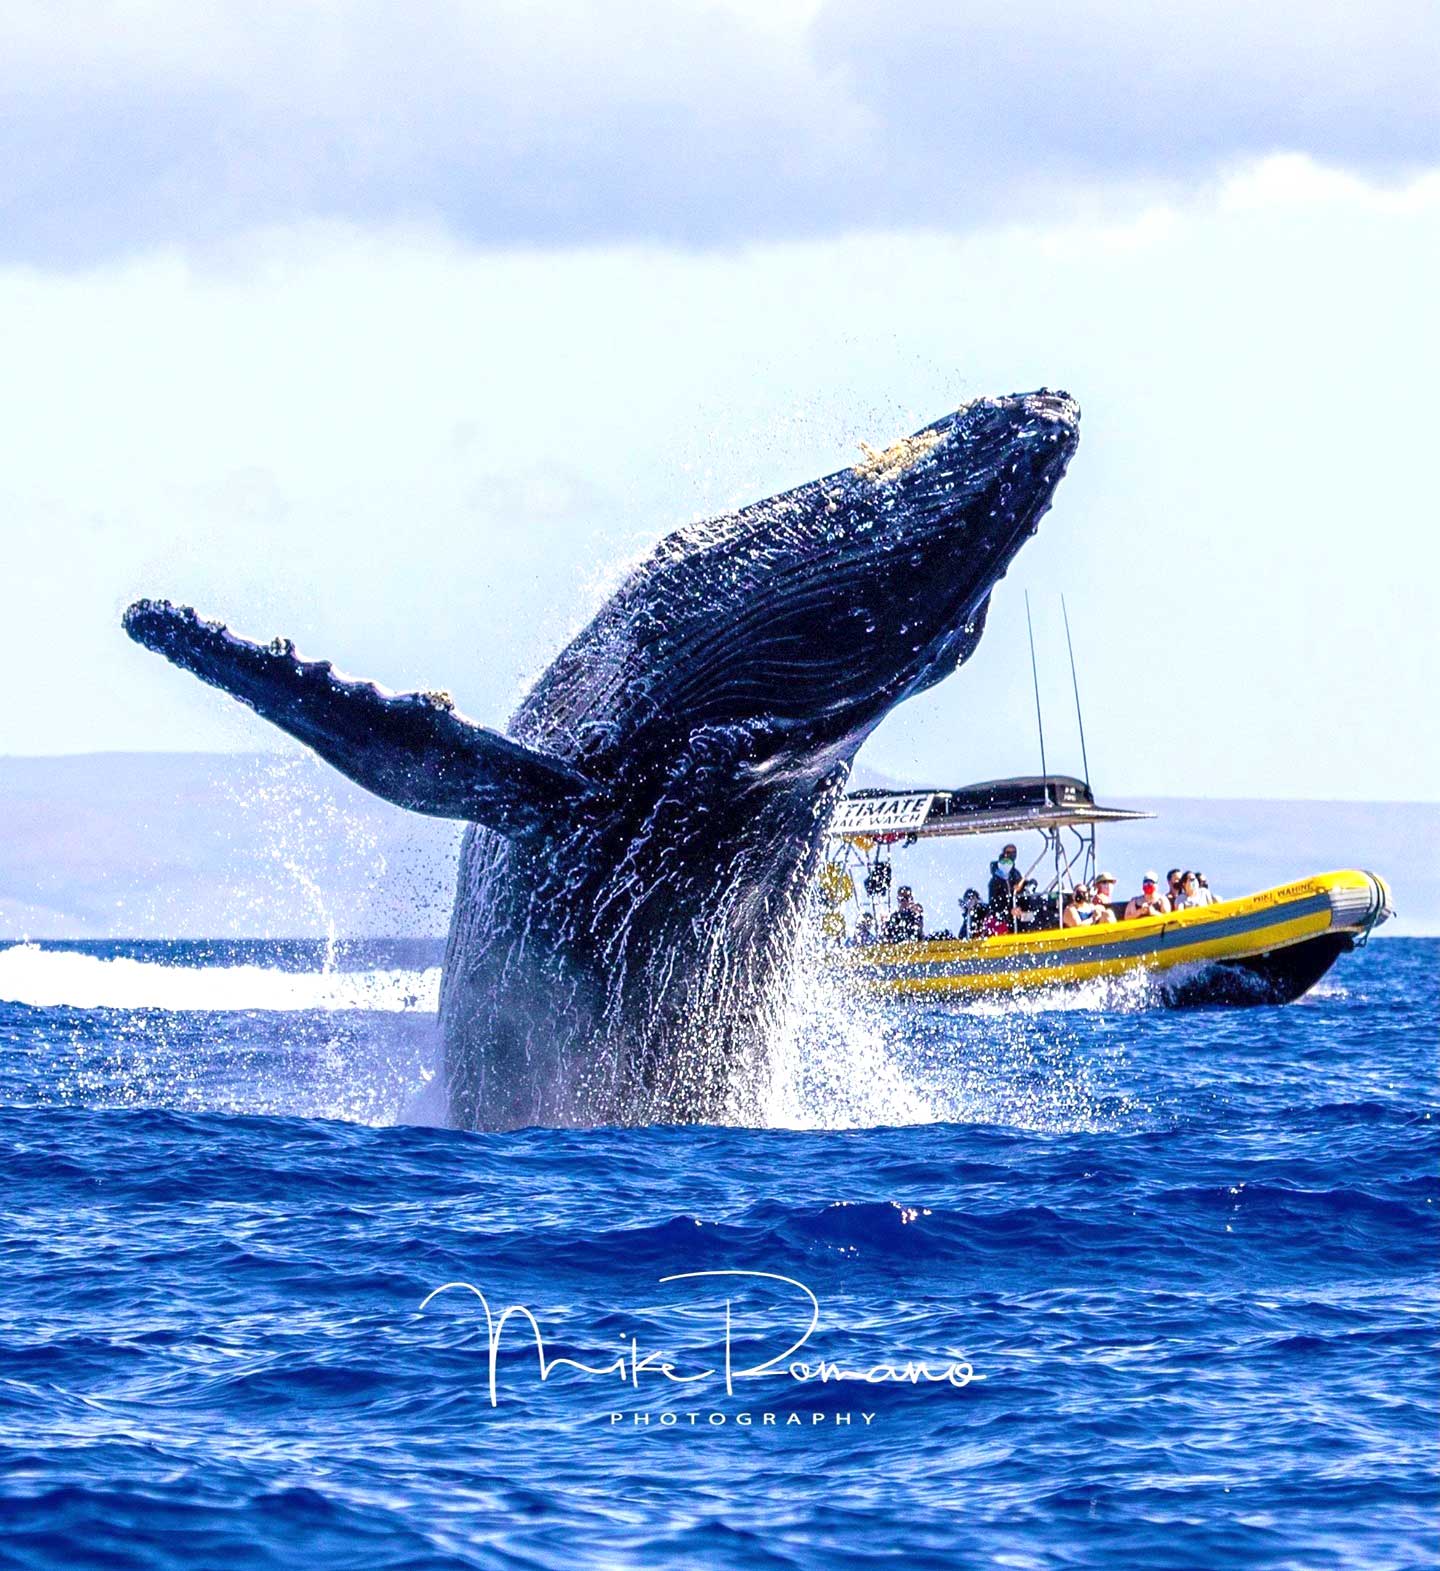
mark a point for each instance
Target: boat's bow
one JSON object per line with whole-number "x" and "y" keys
{"x": 1359, "y": 902}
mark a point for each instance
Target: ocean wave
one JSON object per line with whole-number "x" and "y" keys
{"x": 57, "y": 978}
{"x": 1188, "y": 1255}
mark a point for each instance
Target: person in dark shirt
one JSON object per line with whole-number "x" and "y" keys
{"x": 1006, "y": 881}
{"x": 906, "y": 923}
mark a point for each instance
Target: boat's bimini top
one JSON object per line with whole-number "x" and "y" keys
{"x": 1041, "y": 802}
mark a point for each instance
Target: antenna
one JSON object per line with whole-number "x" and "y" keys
{"x": 1075, "y": 683}
{"x": 1035, "y": 677}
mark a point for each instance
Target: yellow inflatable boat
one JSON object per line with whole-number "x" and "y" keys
{"x": 1268, "y": 947}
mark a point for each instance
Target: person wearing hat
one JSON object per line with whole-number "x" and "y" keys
{"x": 1105, "y": 891}
{"x": 1005, "y": 883}
{"x": 1149, "y": 902}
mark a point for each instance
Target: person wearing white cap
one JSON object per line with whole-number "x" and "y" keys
{"x": 1149, "y": 902}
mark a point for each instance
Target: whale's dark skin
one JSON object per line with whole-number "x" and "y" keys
{"x": 642, "y": 838}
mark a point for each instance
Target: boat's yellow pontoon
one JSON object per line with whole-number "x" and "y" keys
{"x": 1268, "y": 947}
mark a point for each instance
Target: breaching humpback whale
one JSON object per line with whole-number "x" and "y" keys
{"x": 642, "y": 838}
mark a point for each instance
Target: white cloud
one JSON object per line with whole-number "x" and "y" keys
{"x": 1290, "y": 180}
{"x": 554, "y": 122}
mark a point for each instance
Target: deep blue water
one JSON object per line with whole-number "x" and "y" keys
{"x": 1190, "y": 1259}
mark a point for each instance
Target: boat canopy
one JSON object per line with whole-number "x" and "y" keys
{"x": 1043, "y": 802}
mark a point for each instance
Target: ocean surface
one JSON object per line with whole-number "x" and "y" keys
{"x": 1092, "y": 1284}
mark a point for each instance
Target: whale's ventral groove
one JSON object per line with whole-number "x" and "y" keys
{"x": 643, "y": 833}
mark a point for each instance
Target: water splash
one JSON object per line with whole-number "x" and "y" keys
{"x": 844, "y": 1058}
{"x": 307, "y": 836}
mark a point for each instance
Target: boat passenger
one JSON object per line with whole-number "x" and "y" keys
{"x": 1172, "y": 886}
{"x": 1191, "y": 894}
{"x": 1005, "y": 882}
{"x": 1207, "y": 893}
{"x": 906, "y": 923}
{"x": 864, "y": 930}
{"x": 1105, "y": 891}
{"x": 1149, "y": 902}
{"x": 971, "y": 913}
{"x": 1081, "y": 909}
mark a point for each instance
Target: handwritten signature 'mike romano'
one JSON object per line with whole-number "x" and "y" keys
{"x": 628, "y": 1366}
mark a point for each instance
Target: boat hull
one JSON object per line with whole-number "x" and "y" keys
{"x": 1266, "y": 948}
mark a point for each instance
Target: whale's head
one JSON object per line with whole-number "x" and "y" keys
{"x": 805, "y": 618}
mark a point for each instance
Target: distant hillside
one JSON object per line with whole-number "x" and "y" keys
{"x": 191, "y": 845}
{"x": 210, "y": 845}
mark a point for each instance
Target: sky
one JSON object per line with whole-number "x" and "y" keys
{"x": 403, "y": 331}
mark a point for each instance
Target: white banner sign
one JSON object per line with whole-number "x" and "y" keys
{"x": 882, "y": 815}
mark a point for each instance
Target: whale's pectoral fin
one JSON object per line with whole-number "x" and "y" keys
{"x": 410, "y": 748}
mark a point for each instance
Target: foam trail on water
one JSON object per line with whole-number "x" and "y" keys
{"x": 57, "y": 978}
{"x": 1130, "y": 992}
